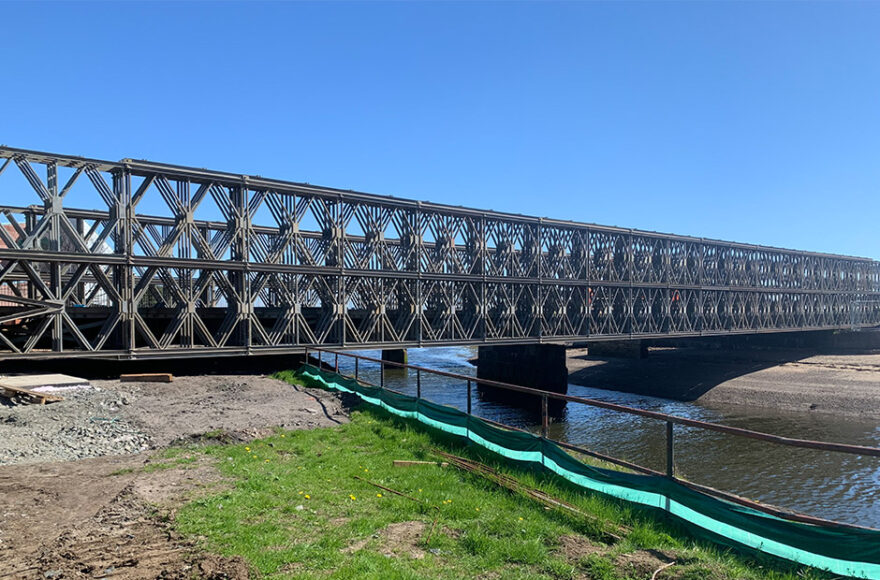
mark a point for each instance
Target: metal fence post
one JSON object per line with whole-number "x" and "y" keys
{"x": 469, "y": 398}
{"x": 670, "y": 450}
{"x": 336, "y": 363}
{"x": 356, "y": 361}
{"x": 545, "y": 417}
{"x": 418, "y": 383}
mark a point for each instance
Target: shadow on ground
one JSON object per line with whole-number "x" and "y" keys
{"x": 678, "y": 373}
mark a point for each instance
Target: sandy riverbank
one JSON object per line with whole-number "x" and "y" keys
{"x": 789, "y": 380}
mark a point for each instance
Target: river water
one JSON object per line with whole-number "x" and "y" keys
{"x": 830, "y": 485}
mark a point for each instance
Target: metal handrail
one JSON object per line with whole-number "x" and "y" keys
{"x": 790, "y": 441}
{"x": 670, "y": 420}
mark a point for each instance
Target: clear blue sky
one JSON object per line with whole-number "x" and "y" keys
{"x": 745, "y": 121}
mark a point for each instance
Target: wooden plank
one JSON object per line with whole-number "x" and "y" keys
{"x": 147, "y": 378}
{"x": 406, "y": 463}
{"x": 42, "y": 398}
{"x": 50, "y": 380}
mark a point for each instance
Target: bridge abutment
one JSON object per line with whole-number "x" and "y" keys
{"x": 816, "y": 341}
{"x": 634, "y": 349}
{"x": 863, "y": 340}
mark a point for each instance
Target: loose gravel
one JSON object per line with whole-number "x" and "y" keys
{"x": 114, "y": 418}
{"x": 87, "y": 423}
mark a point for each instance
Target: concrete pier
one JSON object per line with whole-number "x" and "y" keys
{"x": 397, "y": 355}
{"x": 539, "y": 366}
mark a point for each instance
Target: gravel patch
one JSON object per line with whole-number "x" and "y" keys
{"x": 114, "y": 418}
{"x": 87, "y": 423}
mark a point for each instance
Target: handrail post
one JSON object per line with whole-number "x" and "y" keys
{"x": 545, "y": 417}
{"x": 382, "y": 375}
{"x": 320, "y": 359}
{"x": 336, "y": 363}
{"x": 307, "y": 355}
{"x": 670, "y": 450}
{"x": 469, "y": 398}
{"x": 356, "y": 361}
{"x": 418, "y": 383}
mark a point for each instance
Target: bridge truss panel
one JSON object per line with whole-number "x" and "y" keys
{"x": 172, "y": 261}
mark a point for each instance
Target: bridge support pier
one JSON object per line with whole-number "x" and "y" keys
{"x": 637, "y": 349}
{"x": 539, "y": 366}
{"x": 397, "y": 355}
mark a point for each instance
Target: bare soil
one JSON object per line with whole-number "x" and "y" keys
{"x": 108, "y": 516}
{"x": 576, "y": 548}
{"x": 396, "y": 540}
{"x": 94, "y": 518}
{"x": 115, "y": 418}
{"x": 642, "y": 563}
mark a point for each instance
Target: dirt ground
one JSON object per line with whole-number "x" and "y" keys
{"x": 843, "y": 384}
{"x": 114, "y": 418}
{"x": 107, "y": 517}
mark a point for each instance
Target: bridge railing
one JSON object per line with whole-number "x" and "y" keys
{"x": 330, "y": 359}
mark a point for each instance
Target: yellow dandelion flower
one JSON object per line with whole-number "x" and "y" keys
{"x": 307, "y": 496}
{"x": 267, "y": 461}
{"x": 301, "y": 493}
{"x": 478, "y": 509}
{"x": 352, "y": 497}
{"x": 520, "y": 519}
{"x": 248, "y": 449}
{"x": 378, "y": 495}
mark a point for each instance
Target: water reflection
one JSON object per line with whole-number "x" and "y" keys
{"x": 830, "y": 485}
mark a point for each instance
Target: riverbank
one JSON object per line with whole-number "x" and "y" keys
{"x": 222, "y": 505}
{"x": 789, "y": 380}
{"x": 309, "y": 504}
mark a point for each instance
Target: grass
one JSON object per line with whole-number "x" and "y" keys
{"x": 295, "y": 510}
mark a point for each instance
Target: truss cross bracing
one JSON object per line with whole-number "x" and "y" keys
{"x": 175, "y": 261}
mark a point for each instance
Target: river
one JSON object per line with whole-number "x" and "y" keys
{"x": 830, "y": 485}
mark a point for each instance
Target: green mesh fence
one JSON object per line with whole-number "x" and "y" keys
{"x": 844, "y": 551}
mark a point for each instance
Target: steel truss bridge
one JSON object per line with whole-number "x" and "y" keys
{"x": 179, "y": 261}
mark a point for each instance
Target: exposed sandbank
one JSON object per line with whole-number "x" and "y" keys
{"x": 844, "y": 384}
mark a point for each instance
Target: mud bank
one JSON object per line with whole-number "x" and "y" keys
{"x": 843, "y": 384}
